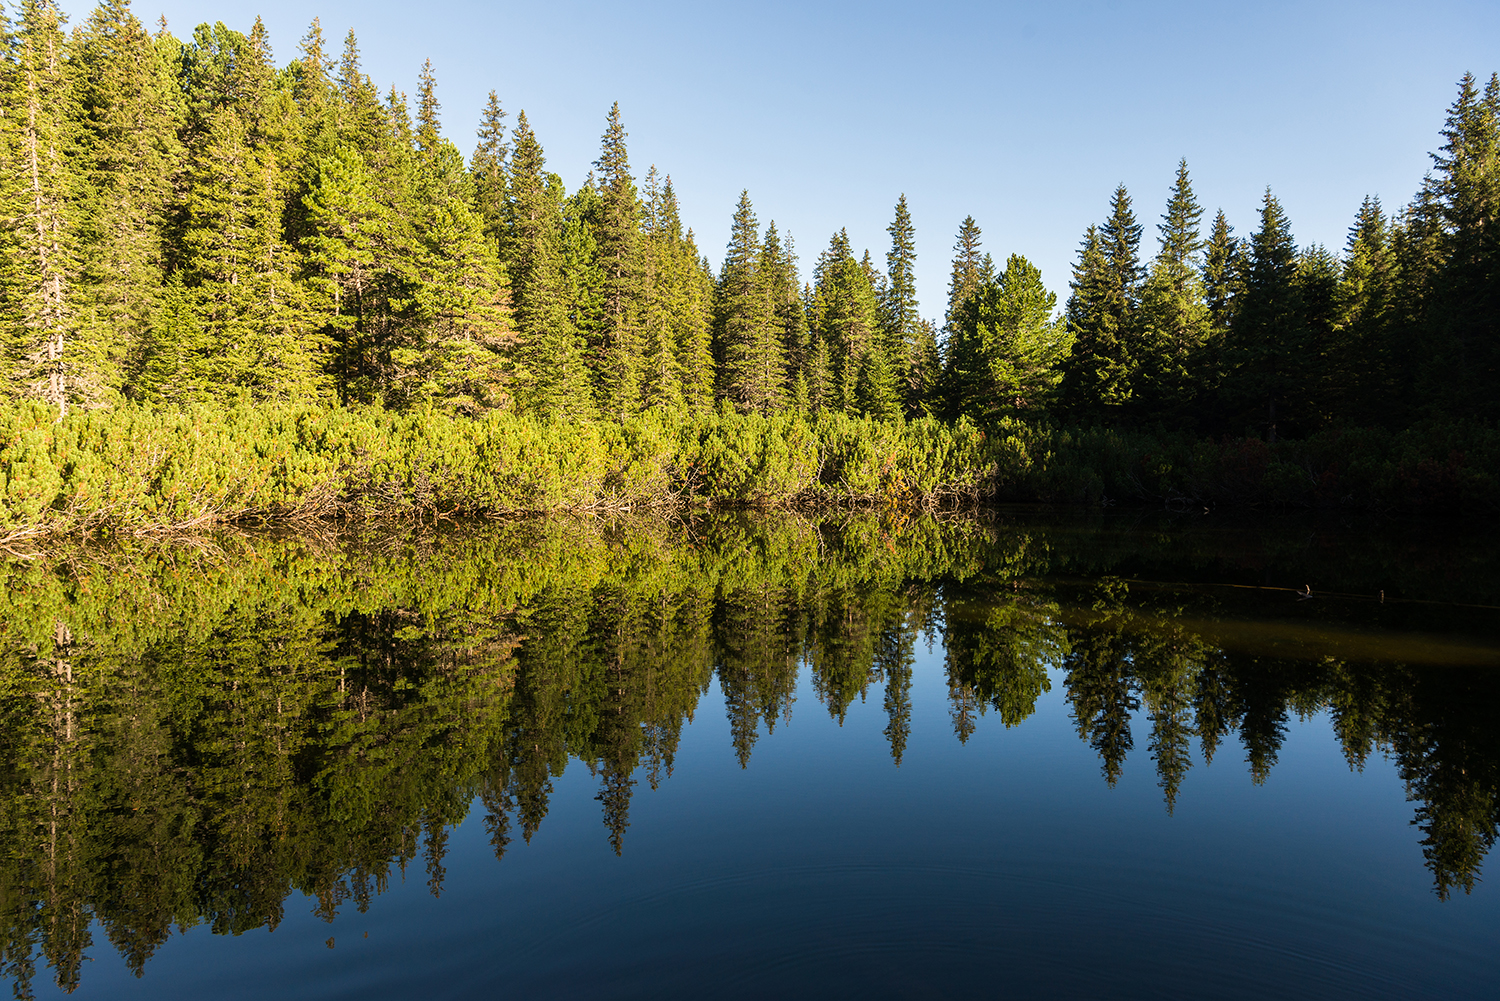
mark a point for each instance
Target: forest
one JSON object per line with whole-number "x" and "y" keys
{"x": 194, "y": 233}
{"x": 193, "y": 735}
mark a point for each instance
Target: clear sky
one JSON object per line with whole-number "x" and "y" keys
{"x": 1024, "y": 115}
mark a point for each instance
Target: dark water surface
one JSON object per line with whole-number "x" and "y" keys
{"x": 1039, "y": 754}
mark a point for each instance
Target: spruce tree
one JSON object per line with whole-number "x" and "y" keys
{"x": 361, "y": 121}
{"x": 345, "y": 247}
{"x": 845, "y": 321}
{"x": 968, "y": 271}
{"x": 488, "y": 166}
{"x": 1464, "y": 319}
{"x": 778, "y": 267}
{"x": 127, "y": 156}
{"x": 900, "y": 320}
{"x": 554, "y": 380}
{"x": 1323, "y": 388}
{"x": 695, "y": 351}
{"x": 1006, "y": 349}
{"x": 1267, "y": 350}
{"x": 1223, "y": 283}
{"x": 1364, "y": 319}
{"x": 1173, "y": 320}
{"x": 877, "y": 387}
{"x": 618, "y": 226}
{"x": 43, "y": 359}
{"x": 661, "y": 384}
{"x": 753, "y": 373}
{"x": 1096, "y": 376}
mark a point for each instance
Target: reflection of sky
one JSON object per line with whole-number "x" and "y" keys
{"x": 1025, "y": 116}
{"x": 1003, "y": 865}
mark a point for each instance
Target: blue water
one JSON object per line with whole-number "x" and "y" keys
{"x": 1005, "y": 866}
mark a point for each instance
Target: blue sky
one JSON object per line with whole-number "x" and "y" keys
{"x": 1024, "y": 115}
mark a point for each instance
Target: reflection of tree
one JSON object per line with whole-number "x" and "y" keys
{"x": 898, "y": 708}
{"x": 1441, "y": 726}
{"x": 1262, "y": 692}
{"x": 998, "y": 652}
{"x": 1168, "y": 661}
{"x": 759, "y": 645}
{"x": 190, "y": 739}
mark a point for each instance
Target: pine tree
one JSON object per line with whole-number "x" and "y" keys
{"x": 619, "y": 377}
{"x": 753, "y": 373}
{"x": 1267, "y": 348}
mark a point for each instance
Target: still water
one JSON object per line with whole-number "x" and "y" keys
{"x": 1031, "y": 754}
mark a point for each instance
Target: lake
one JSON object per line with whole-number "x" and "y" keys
{"x": 1035, "y": 753}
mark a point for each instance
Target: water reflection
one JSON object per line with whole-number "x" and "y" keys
{"x": 191, "y": 735}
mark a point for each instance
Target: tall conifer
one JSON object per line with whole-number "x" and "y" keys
{"x": 753, "y": 373}
{"x": 1267, "y": 348}
{"x": 617, "y": 232}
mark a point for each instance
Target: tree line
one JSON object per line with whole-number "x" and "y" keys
{"x": 190, "y": 222}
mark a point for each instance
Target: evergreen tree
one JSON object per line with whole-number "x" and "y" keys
{"x": 752, "y": 373}
{"x": 1099, "y": 379}
{"x": 1173, "y": 315}
{"x": 906, "y": 334}
{"x": 554, "y": 379}
{"x": 1006, "y": 349}
{"x": 618, "y": 226}
{"x": 128, "y": 158}
{"x": 660, "y": 379}
{"x": 1322, "y": 388}
{"x": 1223, "y": 282}
{"x": 259, "y": 332}
{"x": 877, "y": 388}
{"x": 778, "y": 268}
{"x": 1363, "y": 383}
{"x": 695, "y": 354}
{"x": 347, "y": 241}
{"x": 488, "y": 166}
{"x": 1267, "y": 348}
{"x": 43, "y": 360}
{"x": 968, "y": 272}
{"x": 1464, "y": 321}
{"x": 845, "y": 323}
{"x": 361, "y": 122}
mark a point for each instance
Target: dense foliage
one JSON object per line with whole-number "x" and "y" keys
{"x": 188, "y": 223}
{"x": 190, "y": 736}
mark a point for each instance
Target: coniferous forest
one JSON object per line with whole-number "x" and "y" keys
{"x": 234, "y": 287}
